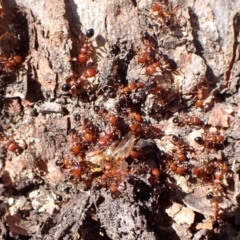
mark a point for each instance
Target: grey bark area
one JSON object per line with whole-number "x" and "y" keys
{"x": 68, "y": 169}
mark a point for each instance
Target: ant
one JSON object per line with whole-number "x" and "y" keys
{"x": 200, "y": 97}
{"x": 69, "y": 83}
{"x": 165, "y": 14}
{"x": 11, "y": 63}
{"x": 154, "y": 177}
{"x": 66, "y": 163}
{"x": 84, "y": 54}
{"x": 74, "y": 80}
{"x": 88, "y": 73}
{"x": 187, "y": 120}
{"x": 152, "y": 68}
{"x": 105, "y": 139}
{"x": 176, "y": 168}
{"x": 8, "y": 142}
{"x": 215, "y": 139}
{"x": 146, "y": 53}
{"x": 210, "y": 196}
{"x": 129, "y": 88}
{"x": 181, "y": 148}
{"x": 11, "y": 145}
{"x": 211, "y": 140}
{"x": 198, "y": 171}
{"x": 90, "y": 133}
{"x": 134, "y": 115}
{"x": 201, "y": 93}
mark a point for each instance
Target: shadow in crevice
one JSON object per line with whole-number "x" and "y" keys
{"x": 74, "y": 25}
{"x": 16, "y": 24}
{"x": 212, "y": 79}
{"x": 34, "y": 91}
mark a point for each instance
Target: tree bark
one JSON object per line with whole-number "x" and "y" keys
{"x": 201, "y": 42}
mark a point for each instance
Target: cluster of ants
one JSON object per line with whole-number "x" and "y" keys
{"x": 10, "y": 58}
{"x": 76, "y": 81}
{"x": 106, "y": 157}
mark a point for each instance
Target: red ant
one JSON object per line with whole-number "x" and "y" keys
{"x": 200, "y": 97}
{"x": 155, "y": 174}
{"x": 166, "y": 15}
{"x": 145, "y": 56}
{"x": 129, "y": 88}
{"x": 11, "y": 63}
{"x": 77, "y": 81}
{"x": 176, "y": 168}
{"x": 134, "y": 116}
{"x": 83, "y": 56}
{"x": 210, "y": 196}
{"x": 152, "y": 68}
{"x": 210, "y": 140}
{"x": 8, "y": 142}
{"x": 201, "y": 92}
{"x": 148, "y": 55}
{"x": 187, "y": 120}
{"x": 88, "y": 73}
{"x": 181, "y": 148}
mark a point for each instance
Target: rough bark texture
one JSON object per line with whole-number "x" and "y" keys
{"x": 39, "y": 200}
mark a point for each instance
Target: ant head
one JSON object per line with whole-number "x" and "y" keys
{"x": 90, "y": 33}
{"x": 145, "y": 36}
